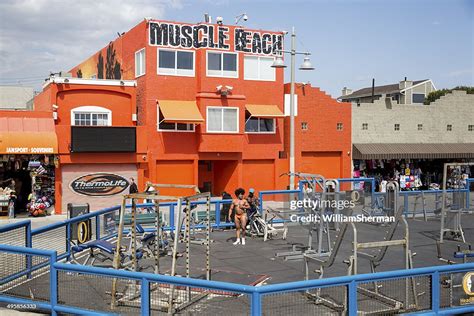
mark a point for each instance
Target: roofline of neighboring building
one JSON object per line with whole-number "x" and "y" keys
{"x": 420, "y": 83}
{"x": 97, "y": 82}
{"x": 380, "y": 94}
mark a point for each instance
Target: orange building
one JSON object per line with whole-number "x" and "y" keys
{"x": 208, "y": 109}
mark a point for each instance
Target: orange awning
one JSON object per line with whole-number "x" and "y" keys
{"x": 270, "y": 111}
{"x": 180, "y": 112}
{"x": 27, "y": 136}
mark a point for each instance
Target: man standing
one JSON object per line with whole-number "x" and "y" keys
{"x": 133, "y": 186}
{"x": 240, "y": 206}
{"x": 253, "y": 201}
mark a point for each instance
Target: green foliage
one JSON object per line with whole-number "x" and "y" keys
{"x": 435, "y": 95}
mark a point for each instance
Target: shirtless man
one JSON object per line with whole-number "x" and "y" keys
{"x": 240, "y": 206}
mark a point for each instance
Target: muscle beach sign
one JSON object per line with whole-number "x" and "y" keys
{"x": 99, "y": 184}
{"x": 214, "y": 37}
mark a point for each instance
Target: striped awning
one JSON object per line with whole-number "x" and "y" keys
{"x": 412, "y": 151}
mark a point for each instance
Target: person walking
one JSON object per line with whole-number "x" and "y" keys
{"x": 240, "y": 206}
{"x": 133, "y": 186}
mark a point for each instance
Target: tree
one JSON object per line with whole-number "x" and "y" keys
{"x": 79, "y": 73}
{"x": 100, "y": 67}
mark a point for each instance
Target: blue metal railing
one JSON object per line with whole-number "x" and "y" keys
{"x": 255, "y": 293}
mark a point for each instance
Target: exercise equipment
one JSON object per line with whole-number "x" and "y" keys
{"x": 154, "y": 243}
{"x": 374, "y": 261}
{"x": 451, "y": 222}
{"x": 263, "y": 226}
{"x": 318, "y": 193}
{"x": 463, "y": 254}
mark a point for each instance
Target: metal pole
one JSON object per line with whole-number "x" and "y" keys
{"x": 292, "y": 110}
{"x": 443, "y": 202}
{"x": 157, "y": 236}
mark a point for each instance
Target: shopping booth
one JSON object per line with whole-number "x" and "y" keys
{"x": 28, "y": 148}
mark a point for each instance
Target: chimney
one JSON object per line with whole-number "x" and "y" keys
{"x": 346, "y": 91}
{"x": 405, "y": 84}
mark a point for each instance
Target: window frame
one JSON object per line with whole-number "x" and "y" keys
{"x": 420, "y": 127}
{"x": 90, "y": 109}
{"x": 144, "y": 62}
{"x": 304, "y": 126}
{"x": 259, "y": 78}
{"x": 396, "y": 127}
{"x": 260, "y": 118}
{"x": 222, "y": 63}
{"x": 470, "y": 128}
{"x": 222, "y": 118}
{"x": 449, "y": 127}
{"x": 175, "y": 125}
{"x": 175, "y": 51}
{"x": 341, "y": 125}
{"x": 365, "y": 126}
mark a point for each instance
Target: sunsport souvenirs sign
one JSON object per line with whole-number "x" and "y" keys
{"x": 99, "y": 184}
{"x": 214, "y": 37}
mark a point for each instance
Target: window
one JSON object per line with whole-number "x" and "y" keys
{"x": 449, "y": 127}
{"x": 470, "y": 128}
{"x": 175, "y": 62}
{"x": 339, "y": 126}
{"x": 397, "y": 127}
{"x": 173, "y": 127}
{"x": 365, "y": 126}
{"x": 418, "y": 98}
{"x": 259, "y": 68}
{"x": 420, "y": 127}
{"x": 222, "y": 65}
{"x": 140, "y": 63}
{"x": 91, "y": 116}
{"x": 304, "y": 126}
{"x": 222, "y": 119}
{"x": 258, "y": 124}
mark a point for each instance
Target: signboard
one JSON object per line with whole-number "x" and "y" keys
{"x": 81, "y": 231}
{"x": 30, "y": 150}
{"x": 99, "y": 184}
{"x": 214, "y": 37}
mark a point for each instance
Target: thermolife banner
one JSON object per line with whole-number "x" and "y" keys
{"x": 214, "y": 37}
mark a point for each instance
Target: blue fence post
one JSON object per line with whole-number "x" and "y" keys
{"x": 68, "y": 241}
{"x": 260, "y": 197}
{"x": 97, "y": 227}
{"x": 256, "y": 304}
{"x": 405, "y": 204}
{"x": 435, "y": 291}
{"x": 28, "y": 243}
{"x": 218, "y": 214}
{"x": 172, "y": 215}
{"x": 352, "y": 293}
{"x": 53, "y": 280}
{"x": 145, "y": 297}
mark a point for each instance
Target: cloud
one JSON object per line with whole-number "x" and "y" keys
{"x": 38, "y": 36}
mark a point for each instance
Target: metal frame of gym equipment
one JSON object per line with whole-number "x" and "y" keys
{"x": 129, "y": 300}
{"x": 374, "y": 261}
{"x": 452, "y": 216}
{"x": 267, "y": 228}
{"x": 315, "y": 181}
{"x": 390, "y": 201}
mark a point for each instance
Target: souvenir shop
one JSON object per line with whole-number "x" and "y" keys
{"x": 411, "y": 174}
{"x": 28, "y": 182}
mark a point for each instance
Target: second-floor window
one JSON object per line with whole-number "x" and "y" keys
{"x": 420, "y": 127}
{"x": 365, "y": 126}
{"x": 222, "y": 119}
{"x": 91, "y": 116}
{"x": 259, "y": 124}
{"x": 175, "y": 62}
{"x": 339, "y": 126}
{"x": 173, "y": 127}
{"x": 222, "y": 65}
{"x": 259, "y": 68}
{"x": 140, "y": 63}
{"x": 396, "y": 127}
{"x": 449, "y": 127}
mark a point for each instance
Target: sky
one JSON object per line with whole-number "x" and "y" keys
{"x": 351, "y": 41}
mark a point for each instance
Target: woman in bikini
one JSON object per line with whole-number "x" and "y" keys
{"x": 240, "y": 206}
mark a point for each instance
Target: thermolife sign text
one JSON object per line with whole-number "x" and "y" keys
{"x": 214, "y": 37}
{"x": 99, "y": 184}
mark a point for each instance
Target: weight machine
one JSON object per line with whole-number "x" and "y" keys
{"x": 133, "y": 297}
{"x": 318, "y": 193}
{"x": 452, "y": 217}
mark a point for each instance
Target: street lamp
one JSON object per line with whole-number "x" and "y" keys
{"x": 278, "y": 63}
